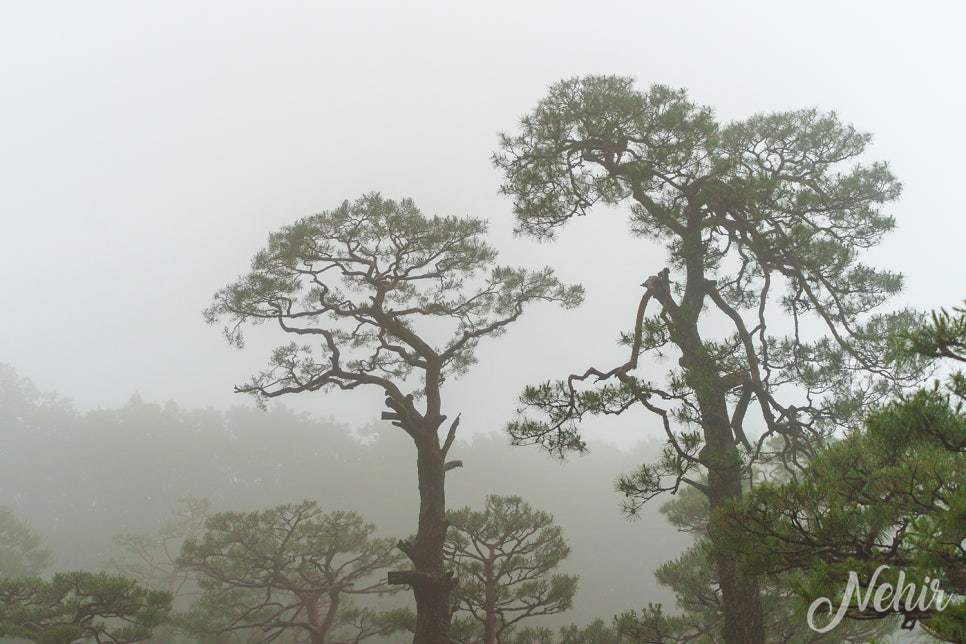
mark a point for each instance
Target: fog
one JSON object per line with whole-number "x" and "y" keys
{"x": 81, "y": 479}
{"x": 149, "y": 148}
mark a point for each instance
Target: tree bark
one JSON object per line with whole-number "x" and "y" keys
{"x": 740, "y": 593}
{"x": 489, "y": 610}
{"x": 430, "y": 582}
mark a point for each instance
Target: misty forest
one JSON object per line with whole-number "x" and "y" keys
{"x": 792, "y": 431}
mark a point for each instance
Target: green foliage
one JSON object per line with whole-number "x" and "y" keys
{"x": 597, "y": 632}
{"x": 22, "y": 551}
{"x": 694, "y": 579}
{"x": 762, "y": 221}
{"x": 80, "y": 606}
{"x": 363, "y": 279}
{"x": 290, "y": 570}
{"x": 170, "y": 451}
{"x": 652, "y": 626}
{"x": 943, "y": 336}
{"x": 503, "y": 557}
{"x": 891, "y": 493}
{"x": 375, "y": 285}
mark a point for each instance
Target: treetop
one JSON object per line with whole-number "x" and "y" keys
{"x": 376, "y": 281}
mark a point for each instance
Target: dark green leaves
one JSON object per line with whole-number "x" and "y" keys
{"x": 892, "y": 493}
{"x": 80, "y": 605}
{"x": 375, "y": 290}
{"x": 598, "y": 139}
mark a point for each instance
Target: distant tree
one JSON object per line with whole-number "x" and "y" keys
{"x": 891, "y": 493}
{"x": 151, "y": 560}
{"x": 504, "y": 557}
{"x": 597, "y": 632}
{"x": 107, "y": 609}
{"x": 373, "y": 284}
{"x": 653, "y": 626}
{"x": 527, "y": 635}
{"x": 650, "y": 626}
{"x": 290, "y": 571}
{"x": 762, "y": 221}
{"x": 22, "y": 551}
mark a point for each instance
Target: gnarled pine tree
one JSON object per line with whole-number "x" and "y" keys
{"x": 762, "y": 221}
{"x": 372, "y": 284}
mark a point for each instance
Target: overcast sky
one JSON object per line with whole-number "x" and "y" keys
{"x": 148, "y": 148}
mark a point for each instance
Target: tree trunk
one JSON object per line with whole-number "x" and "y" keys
{"x": 431, "y": 584}
{"x": 429, "y": 580}
{"x": 740, "y": 594}
{"x": 489, "y": 600}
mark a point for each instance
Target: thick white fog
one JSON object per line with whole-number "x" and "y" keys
{"x": 149, "y": 148}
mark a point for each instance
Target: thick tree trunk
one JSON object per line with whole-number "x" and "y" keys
{"x": 740, "y": 594}
{"x": 430, "y": 583}
{"x": 429, "y": 580}
{"x": 489, "y": 629}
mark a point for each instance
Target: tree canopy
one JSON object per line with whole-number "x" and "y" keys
{"x": 23, "y": 552}
{"x": 361, "y": 279}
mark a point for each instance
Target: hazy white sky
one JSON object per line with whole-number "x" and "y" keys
{"x": 148, "y": 148}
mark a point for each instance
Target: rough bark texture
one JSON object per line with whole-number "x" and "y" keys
{"x": 432, "y": 588}
{"x": 429, "y": 580}
{"x": 743, "y": 622}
